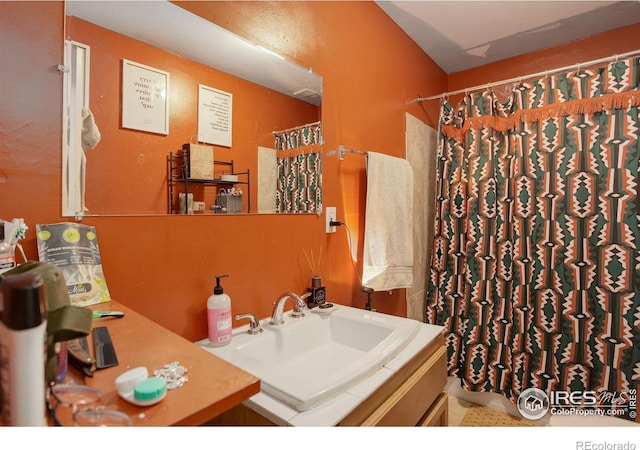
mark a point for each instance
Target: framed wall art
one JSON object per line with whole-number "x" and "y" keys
{"x": 214, "y": 116}
{"x": 145, "y": 93}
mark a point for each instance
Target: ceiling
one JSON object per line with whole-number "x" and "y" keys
{"x": 460, "y": 35}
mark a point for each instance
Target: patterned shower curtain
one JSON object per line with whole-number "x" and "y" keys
{"x": 299, "y": 183}
{"x": 535, "y": 271}
{"x": 299, "y": 168}
{"x": 309, "y": 134}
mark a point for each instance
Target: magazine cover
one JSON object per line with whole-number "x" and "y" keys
{"x": 74, "y": 249}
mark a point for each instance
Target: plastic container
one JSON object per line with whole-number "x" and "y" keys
{"x": 7, "y": 251}
{"x": 219, "y": 316}
{"x": 136, "y": 387}
{"x": 23, "y": 327}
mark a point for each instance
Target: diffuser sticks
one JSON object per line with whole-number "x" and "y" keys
{"x": 317, "y": 290}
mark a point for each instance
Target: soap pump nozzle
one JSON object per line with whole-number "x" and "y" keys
{"x": 218, "y": 289}
{"x": 219, "y": 316}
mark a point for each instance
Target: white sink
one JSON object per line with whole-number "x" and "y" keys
{"x": 309, "y": 360}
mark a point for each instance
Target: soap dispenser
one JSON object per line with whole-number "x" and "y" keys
{"x": 219, "y": 316}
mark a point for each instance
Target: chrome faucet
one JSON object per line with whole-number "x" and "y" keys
{"x": 278, "y": 307}
{"x": 254, "y": 323}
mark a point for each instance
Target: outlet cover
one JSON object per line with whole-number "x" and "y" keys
{"x": 330, "y": 215}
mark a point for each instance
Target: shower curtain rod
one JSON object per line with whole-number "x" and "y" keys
{"x": 296, "y": 128}
{"x": 533, "y": 75}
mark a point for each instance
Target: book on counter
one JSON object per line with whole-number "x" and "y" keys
{"x": 74, "y": 249}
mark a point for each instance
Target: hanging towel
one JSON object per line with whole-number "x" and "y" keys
{"x": 90, "y": 132}
{"x": 388, "y": 234}
{"x": 89, "y": 137}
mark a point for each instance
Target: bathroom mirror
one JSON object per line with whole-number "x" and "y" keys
{"x": 127, "y": 171}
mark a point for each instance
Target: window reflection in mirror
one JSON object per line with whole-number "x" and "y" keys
{"x": 127, "y": 171}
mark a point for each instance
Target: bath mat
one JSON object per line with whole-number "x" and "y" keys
{"x": 482, "y": 416}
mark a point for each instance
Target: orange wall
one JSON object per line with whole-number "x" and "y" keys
{"x": 135, "y": 163}
{"x": 164, "y": 266}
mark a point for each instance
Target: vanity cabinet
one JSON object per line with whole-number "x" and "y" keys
{"x": 413, "y": 396}
{"x": 180, "y": 181}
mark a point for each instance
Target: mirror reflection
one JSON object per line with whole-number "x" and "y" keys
{"x": 272, "y": 107}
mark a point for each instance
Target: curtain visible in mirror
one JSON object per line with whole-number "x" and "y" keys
{"x": 299, "y": 169}
{"x": 297, "y": 137}
{"x": 299, "y": 183}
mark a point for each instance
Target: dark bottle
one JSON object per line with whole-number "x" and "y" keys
{"x": 318, "y": 293}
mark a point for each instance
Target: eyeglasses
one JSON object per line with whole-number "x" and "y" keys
{"x": 82, "y": 406}
{"x": 101, "y": 417}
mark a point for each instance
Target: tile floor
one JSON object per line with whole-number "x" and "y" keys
{"x": 457, "y": 409}
{"x": 484, "y": 416}
{"x": 460, "y": 401}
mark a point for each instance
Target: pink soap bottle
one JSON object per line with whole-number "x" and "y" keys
{"x": 219, "y": 316}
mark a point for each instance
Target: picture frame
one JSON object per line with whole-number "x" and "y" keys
{"x": 145, "y": 93}
{"x": 215, "y": 118}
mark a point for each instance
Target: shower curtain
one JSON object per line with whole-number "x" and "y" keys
{"x": 299, "y": 182}
{"x": 535, "y": 271}
{"x": 299, "y": 169}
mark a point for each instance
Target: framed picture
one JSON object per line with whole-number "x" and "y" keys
{"x": 145, "y": 93}
{"x": 214, "y": 116}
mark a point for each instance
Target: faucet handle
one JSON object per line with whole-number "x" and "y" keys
{"x": 298, "y": 308}
{"x": 297, "y": 311}
{"x": 254, "y": 323}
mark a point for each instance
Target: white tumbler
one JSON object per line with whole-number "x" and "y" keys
{"x": 22, "y": 350}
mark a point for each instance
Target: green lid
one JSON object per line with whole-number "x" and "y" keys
{"x": 150, "y": 389}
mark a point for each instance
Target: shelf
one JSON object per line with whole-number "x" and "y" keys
{"x": 214, "y": 181}
{"x": 179, "y": 183}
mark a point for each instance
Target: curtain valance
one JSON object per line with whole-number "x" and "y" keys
{"x": 583, "y": 91}
{"x": 293, "y": 153}
{"x": 298, "y": 137}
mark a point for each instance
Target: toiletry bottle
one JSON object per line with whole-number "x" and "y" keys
{"x": 7, "y": 251}
{"x": 23, "y": 326}
{"x": 219, "y": 316}
{"x": 318, "y": 292}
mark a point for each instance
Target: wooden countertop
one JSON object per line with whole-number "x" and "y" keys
{"x": 213, "y": 385}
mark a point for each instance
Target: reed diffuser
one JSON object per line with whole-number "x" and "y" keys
{"x": 317, "y": 290}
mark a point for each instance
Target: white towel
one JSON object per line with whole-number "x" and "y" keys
{"x": 89, "y": 137}
{"x": 90, "y": 132}
{"x": 388, "y": 234}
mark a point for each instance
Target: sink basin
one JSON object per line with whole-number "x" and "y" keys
{"x": 309, "y": 360}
